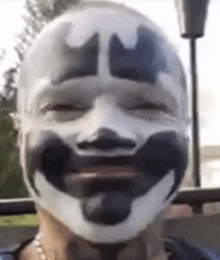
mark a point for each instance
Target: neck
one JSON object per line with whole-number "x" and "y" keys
{"x": 59, "y": 243}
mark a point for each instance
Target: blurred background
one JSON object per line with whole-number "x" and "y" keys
{"x": 19, "y": 26}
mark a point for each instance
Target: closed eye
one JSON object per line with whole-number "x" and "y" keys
{"x": 150, "y": 111}
{"x": 60, "y": 108}
{"x": 62, "y": 112}
{"x": 151, "y": 106}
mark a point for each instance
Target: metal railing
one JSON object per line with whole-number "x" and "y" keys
{"x": 194, "y": 197}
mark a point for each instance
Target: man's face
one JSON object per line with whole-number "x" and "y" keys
{"x": 103, "y": 106}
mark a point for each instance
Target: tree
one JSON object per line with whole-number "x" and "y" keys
{"x": 38, "y": 13}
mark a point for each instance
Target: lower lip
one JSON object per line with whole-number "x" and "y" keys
{"x": 103, "y": 173}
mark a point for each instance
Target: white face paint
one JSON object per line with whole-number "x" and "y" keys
{"x": 69, "y": 211}
{"x": 85, "y": 128}
{"x": 98, "y": 22}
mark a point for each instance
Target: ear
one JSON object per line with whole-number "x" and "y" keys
{"x": 16, "y": 116}
{"x": 16, "y": 119}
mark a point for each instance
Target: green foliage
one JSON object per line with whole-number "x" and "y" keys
{"x": 20, "y": 220}
{"x": 38, "y": 14}
{"x": 11, "y": 181}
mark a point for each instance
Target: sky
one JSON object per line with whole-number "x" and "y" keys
{"x": 10, "y": 24}
{"x": 163, "y": 13}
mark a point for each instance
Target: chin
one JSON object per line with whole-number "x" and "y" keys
{"x": 69, "y": 211}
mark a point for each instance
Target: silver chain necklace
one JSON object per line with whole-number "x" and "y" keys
{"x": 41, "y": 251}
{"x": 39, "y": 246}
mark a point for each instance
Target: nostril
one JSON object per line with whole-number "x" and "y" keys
{"x": 106, "y": 139}
{"x": 106, "y": 144}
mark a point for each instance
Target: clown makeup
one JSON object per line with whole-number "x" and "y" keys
{"x": 104, "y": 125}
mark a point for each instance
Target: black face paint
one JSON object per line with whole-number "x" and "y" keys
{"x": 77, "y": 62}
{"x": 142, "y": 63}
{"x": 105, "y": 139}
{"x": 116, "y": 205}
{"x": 54, "y": 59}
{"x": 164, "y": 151}
{"x": 161, "y": 153}
{"x": 51, "y": 156}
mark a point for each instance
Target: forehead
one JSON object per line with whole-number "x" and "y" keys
{"x": 104, "y": 42}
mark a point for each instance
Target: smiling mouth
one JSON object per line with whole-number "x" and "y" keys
{"x": 104, "y": 173}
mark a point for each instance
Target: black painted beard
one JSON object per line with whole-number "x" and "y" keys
{"x": 107, "y": 198}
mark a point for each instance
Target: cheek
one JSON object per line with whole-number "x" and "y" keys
{"x": 148, "y": 206}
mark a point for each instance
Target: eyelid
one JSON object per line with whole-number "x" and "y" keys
{"x": 153, "y": 106}
{"x": 59, "y": 107}
{"x": 149, "y": 105}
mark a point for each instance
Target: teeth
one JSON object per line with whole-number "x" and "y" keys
{"x": 107, "y": 173}
{"x": 94, "y": 174}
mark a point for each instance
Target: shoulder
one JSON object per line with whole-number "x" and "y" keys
{"x": 7, "y": 256}
{"x": 11, "y": 252}
{"x": 183, "y": 250}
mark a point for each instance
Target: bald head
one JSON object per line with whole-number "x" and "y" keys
{"x": 99, "y": 39}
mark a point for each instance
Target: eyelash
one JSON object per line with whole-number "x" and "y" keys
{"x": 71, "y": 108}
{"x": 59, "y": 108}
{"x": 151, "y": 106}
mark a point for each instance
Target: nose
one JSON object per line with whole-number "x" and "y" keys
{"x": 105, "y": 139}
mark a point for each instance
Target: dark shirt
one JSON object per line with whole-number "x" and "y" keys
{"x": 179, "y": 249}
{"x": 183, "y": 250}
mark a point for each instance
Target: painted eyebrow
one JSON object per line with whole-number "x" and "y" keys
{"x": 77, "y": 62}
{"x": 141, "y": 63}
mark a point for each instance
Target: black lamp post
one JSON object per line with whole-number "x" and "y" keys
{"x": 192, "y": 16}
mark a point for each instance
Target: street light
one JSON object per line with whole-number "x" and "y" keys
{"x": 192, "y": 17}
